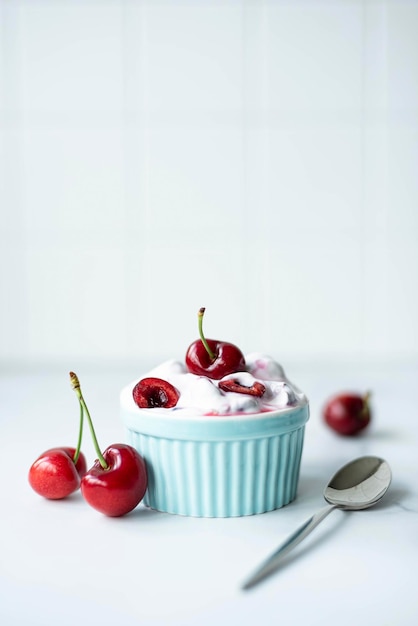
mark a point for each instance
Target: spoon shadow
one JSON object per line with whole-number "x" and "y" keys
{"x": 395, "y": 497}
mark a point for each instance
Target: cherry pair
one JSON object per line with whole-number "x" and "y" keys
{"x": 114, "y": 485}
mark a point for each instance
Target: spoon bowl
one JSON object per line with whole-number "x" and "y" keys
{"x": 357, "y": 485}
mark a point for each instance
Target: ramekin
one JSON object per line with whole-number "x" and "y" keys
{"x": 218, "y": 466}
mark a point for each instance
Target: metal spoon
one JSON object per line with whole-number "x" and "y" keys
{"x": 355, "y": 486}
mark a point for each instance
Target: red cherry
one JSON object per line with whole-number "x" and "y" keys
{"x": 212, "y": 358}
{"x": 118, "y": 488}
{"x": 155, "y": 392}
{"x": 347, "y": 413}
{"x": 257, "y": 389}
{"x": 54, "y": 475}
{"x": 57, "y": 472}
{"x": 118, "y": 479}
{"x": 81, "y": 463}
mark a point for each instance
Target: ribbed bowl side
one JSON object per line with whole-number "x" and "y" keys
{"x": 221, "y": 478}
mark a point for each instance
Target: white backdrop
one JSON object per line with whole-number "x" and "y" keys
{"x": 256, "y": 158}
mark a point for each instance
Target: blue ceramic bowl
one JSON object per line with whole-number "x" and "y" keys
{"x": 218, "y": 466}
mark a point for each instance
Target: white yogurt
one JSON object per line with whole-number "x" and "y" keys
{"x": 200, "y": 395}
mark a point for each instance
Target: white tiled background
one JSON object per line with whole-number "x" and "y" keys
{"x": 259, "y": 158}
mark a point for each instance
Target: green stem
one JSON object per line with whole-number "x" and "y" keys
{"x": 76, "y": 386}
{"x": 80, "y": 436}
{"x": 205, "y": 343}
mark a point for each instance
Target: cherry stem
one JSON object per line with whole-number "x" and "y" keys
{"x": 80, "y": 436}
{"x": 83, "y": 407}
{"x": 205, "y": 343}
{"x": 366, "y": 403}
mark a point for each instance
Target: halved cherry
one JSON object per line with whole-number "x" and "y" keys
{"x": 231, "y": 384}
{"x": 150, "y": 393}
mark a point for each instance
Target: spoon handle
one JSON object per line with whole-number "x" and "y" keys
{"x": 273, "y": 561}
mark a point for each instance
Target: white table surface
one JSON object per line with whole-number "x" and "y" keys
{"x": 64, "y": 563}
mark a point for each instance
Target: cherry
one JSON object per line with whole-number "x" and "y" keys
{"x": 155, "y": 392}
{"x": 212, "y": 358}
{"x": 120, "y": 486}
{"x": 57, "y": 472}
{"x": 347, "y": 413}
{"x": 257, "y": 389}
{"x": 80, "y": 463}
{"x": 117, "y": 481}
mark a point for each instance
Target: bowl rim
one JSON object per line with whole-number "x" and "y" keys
{"x": 172, "y": 424}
